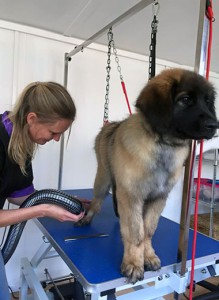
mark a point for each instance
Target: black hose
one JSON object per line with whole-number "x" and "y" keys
{"x": 48, "y": 196}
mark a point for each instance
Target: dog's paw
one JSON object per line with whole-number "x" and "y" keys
{"x": 132, "y": 272}
{"x": 84, "y": 221}
{"x": 152, "y": 263}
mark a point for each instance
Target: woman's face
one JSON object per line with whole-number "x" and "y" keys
{"x": 41, "y": 133}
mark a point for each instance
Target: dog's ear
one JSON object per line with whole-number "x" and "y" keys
{"x": 156, "y": 99}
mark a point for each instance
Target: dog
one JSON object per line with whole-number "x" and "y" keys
{"x": 142, "y": 157}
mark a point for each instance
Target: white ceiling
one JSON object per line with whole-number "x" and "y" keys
{"x": 177, "y": 28}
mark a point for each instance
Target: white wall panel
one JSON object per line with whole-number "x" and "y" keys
{"x": 87, "y": 81}
{"x": 44, "y": 61}
{"x": 6, "y": 68}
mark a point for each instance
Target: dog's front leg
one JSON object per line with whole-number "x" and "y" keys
{"x": 132, "y": 231}
{"x": 152, "y": 211}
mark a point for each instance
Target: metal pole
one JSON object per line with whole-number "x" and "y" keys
{"x": 202, "y": 40}
{"x": 186, "y": 209}
{"x": 132, "y": 11}
{"x": 62, "y": 142}
{"x": 200, "y": 59}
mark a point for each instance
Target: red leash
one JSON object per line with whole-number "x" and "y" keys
{"x": 126, "y": 96}
{"x": 210, "y": 16}
{"x": 196, "y": 220}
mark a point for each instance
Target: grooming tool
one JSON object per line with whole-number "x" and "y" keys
{"x": 87, "y": 236}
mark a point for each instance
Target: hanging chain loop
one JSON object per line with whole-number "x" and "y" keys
{"x": 155, "y": 8}
{"x": 111, "y": 46}
{"x": 116, "y": 58}
{"x": 152, "y": 48}
{"x": 108, "y": 69}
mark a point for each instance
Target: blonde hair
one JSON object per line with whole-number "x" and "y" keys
{"x": 50, "y": 101}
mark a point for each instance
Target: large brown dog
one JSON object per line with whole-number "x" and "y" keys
{"x": 142, "y": 157}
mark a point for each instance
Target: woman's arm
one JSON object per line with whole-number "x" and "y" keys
{"x": 17, "y": 201}
{"x": 13, "y": 216}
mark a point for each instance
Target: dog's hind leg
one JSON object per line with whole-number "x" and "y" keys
{"x": 101, "y": 188}
{"x": 152, "y": 211}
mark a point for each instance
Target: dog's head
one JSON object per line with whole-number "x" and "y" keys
{"x": 180, "y": 103}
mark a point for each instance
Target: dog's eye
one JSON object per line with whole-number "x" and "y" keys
{"x": 186, "y": 100}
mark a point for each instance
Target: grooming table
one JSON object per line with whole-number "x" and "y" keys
{"x": 95, "y": 261}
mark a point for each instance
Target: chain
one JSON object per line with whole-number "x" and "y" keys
{"x": 108, "y": 69}
{"x": 116, "y": 58}
{"x": 152, "y": 47}
{"x": 111, "y": 45}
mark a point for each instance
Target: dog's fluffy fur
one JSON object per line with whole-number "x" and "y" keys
{"x": 142, "y": 157}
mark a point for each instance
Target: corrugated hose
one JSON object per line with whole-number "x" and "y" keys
{"x": 47, "y": 196}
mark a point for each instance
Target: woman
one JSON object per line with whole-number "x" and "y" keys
{"x": 43, "y": 112}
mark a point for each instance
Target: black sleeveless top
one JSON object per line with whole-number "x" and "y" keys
{"x": 13, "y": 183}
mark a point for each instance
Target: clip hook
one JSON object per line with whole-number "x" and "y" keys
{"x": 155, "y": 8}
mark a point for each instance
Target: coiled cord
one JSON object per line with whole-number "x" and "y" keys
{"x": 47, "y": 196}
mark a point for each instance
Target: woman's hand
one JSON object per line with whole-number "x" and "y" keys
{"x": 59, "y": 213}
{"x": 13, "y": 216}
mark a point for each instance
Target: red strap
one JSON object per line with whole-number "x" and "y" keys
{"x": 126, "y": 96}
{"x": 210, "y": 16}
{"x": 196, "y": 220}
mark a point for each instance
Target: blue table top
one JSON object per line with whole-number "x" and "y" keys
{"x": 98, "y": 260}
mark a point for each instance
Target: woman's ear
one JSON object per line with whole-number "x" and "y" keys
{"x": 31, "y": 118}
